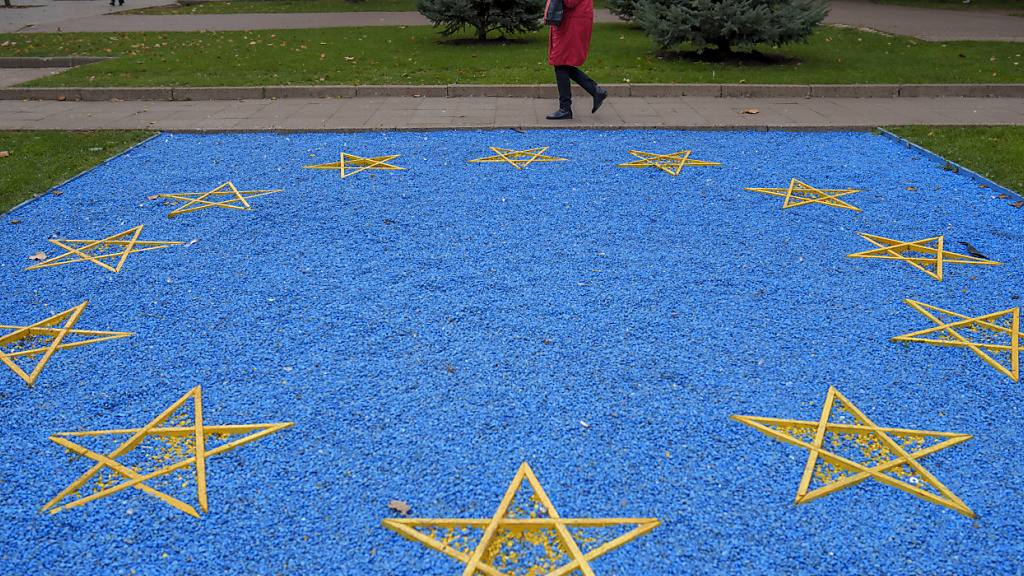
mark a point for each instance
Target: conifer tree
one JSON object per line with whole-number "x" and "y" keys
{"x": 484, "y": 16}
{"x": 728, "y": 24}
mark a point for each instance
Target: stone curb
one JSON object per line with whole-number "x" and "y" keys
{"x": 519, "y": 91}
{"x": 49, "y": 61}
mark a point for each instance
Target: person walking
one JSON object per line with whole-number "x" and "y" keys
{"x": 571, "y": 23}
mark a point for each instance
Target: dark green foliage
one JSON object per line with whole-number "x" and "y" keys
{"x": 484, "y": 16}
{"x": 624, "y": 9}
{"x": 726, "y": 24}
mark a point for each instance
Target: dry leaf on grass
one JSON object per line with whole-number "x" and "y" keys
{"x": 4, "y": 153}
{"x": 399, "y": 506}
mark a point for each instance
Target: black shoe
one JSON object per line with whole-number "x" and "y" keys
{"x": 599, "y": 99}
{"x": 560, "y": 114}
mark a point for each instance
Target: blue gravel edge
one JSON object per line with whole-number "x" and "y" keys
{"x": 960, "y": 168}
{"x": 16, "y": 207}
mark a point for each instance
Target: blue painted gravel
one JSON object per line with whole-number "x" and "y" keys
{"x": 428, "y": 330}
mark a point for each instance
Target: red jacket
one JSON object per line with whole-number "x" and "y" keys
{"x": 569, "y": 42}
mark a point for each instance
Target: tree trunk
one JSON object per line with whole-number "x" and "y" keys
{"x": 482, "y": 25}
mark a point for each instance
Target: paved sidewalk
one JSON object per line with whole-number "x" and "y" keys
{"x": 425, "y": 113}
{"x": 928, "y": 24}
{"x": 46, "y": 12}
{"x": 15, "y": 76}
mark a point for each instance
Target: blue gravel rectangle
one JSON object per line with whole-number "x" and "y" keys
{"x": 428, "y": 330}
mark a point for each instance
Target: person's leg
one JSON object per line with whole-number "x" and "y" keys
{"x": 562, "y": 80}
{"x": 563, "y": 74}
{"x": 588, "y": 84}
{"x": 585, "y": 82}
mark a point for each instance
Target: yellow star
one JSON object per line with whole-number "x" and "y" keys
{"x": 118, "y": 246}
{"x": 223, "y": 196}
{"x": 182, "y": 439}
{"x": 519, "y": 158}
{"x": 798, "y": 193}
{"x": 889, "y": 455}
{"x": 514, "y": 527}
{"x": 350, "y": 164}
{"x": 670, "y": 163}
{"x": 44, "y": 338}
{"x": 930, "y": 255}
{"x": 987, "y": 329}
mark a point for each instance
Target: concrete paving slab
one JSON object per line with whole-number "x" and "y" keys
{"x": 399, "y": 113}
{"x": 13, "y": 76}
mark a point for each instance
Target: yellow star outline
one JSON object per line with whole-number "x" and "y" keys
{"x": 989, "y": 326}
{"x": 46, "y": 337}
{"x": 930, "y": 254}
{"x": 224, "y": 196}
{"x": 669, "y": 163}
{"x": 131, "y": 478}
{"x": 799, "y": 193}
{"x": 890, "y": 454}
{"x": 519, "y": 158}
{"x": 349, "y": 164}
{"x": 507, "y": 523}
{"x": 86, "y": 250}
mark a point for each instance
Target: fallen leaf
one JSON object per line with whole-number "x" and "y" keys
{"x": 1003, "y": 197}
{"x": 912, "y": 188}
{"x": 983, "y": 186}
{"x": 402, "y": 508}
{"x": 751, "y": 111}
{"x": 15, "y": 221}
{"x": 62, "y": 98}
{"x": 152, "y": 197}
{"x": 1019, "y": 204}
{"x": 38, "y": 257}
{"x": 972, "y": 250}
{"x": 4, "y": 153}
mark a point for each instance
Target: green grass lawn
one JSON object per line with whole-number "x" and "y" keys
{"x": 41, "y": 159}
{"x": 285, "y": 6}
{"x": 417, "y": 55}
{"x": 994, "y": 152}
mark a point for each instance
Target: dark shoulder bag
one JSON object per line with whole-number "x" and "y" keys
{"x": 553, "y": 15}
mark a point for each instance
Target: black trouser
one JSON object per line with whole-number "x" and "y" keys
{"x": 562, "y": 76}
